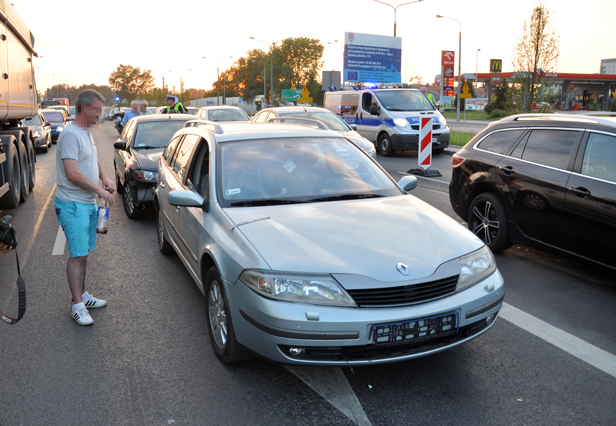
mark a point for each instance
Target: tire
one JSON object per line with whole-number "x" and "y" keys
{"x": 438, "y": 151}
{"x": 220, "y": 326}
{"x": 11, "y": 199}
{"x": 31, "y": 166}
{"x": 385, "y": 146}
{"x": 25, "y": 174}
{"x": 45, "y": 148}
{"x": 133, "y": 210}
{"x": 487, "y": 219}
{"x": 163, "y": 245}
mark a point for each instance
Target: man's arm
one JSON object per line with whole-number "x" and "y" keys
{"x": 74, "y": 175}
{"x": 4, "y": 248}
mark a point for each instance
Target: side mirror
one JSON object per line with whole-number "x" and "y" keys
{"x": 47, "y": 123}
{"x": 185, "y": 198}
{"x": 375, "y": 109}
{"x": 121, "y": 145}
{"x": 408, "y": 183}
{"x": 353, "y": 126}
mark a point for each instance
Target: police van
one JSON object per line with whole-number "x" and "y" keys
{"x": 389, "y": 117}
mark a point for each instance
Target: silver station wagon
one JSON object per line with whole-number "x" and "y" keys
{"x": 309, "y": 253}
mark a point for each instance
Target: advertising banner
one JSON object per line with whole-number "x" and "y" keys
{"x": 372, "y": 58}
{"x": 476, "y": 104}
{"x": 447, "y": 61}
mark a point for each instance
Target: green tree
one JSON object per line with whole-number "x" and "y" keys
{"x": 129, "y": 82}
{"x": 504, "y": 98}
{"x": 535, "y": 53}
{"x": 299, "y": 59}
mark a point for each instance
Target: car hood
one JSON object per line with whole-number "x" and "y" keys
{"x": 359, "y": 237}
{"x": 358, "y": 140}
{"x": 148, "y": 158}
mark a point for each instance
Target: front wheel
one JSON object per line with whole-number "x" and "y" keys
{"x": 487, "y": 219}
{"x": 385, "y": 146}
{"x": 133, "y": 209}
{"x": 220, "y": 326}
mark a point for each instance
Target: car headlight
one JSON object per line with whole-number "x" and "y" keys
{"x": 402, "y": 122}
{"x": 303, "y": 288}
{"x": 60, "y": 128}
{"x": 476, "y": 266}
{"x": 443, "y": 122}
{"x": 36, "y": 135}
{"x": 145, "y": 175}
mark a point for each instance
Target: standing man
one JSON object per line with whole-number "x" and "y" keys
{"x": 174, "y": 106}
{"x": 134, "y": 112}
{"x": 143, "y": 108}
{"x": 78, "y": 172}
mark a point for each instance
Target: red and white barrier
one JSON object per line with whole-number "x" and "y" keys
{"x": 424, "y": 156}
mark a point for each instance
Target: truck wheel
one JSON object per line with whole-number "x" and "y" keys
{"x": 385, "y": 146}
{"x": 11, "y": 199}
{"x": 31, "y": 166}
{"x": 25, "y": 174}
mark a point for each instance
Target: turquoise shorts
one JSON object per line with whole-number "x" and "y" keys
{"x": 78, "y": 220}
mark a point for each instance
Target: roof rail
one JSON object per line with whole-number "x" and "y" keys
{"x": 204, "y": 123}
{"x": 306, "y": 121}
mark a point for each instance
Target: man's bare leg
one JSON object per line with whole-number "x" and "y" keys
{"x": 76, "y": 273}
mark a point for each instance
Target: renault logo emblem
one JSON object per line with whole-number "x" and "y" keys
{"x": 402, "y": 268}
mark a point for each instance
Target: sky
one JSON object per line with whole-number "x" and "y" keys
{"x": 83, "y": 42}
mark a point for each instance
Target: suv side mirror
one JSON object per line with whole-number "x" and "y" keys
{"x": 121, "y": 145}
{"x": 375, "y": 109}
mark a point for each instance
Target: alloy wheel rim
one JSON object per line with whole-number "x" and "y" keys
{"x": 128, "y": 200}
{"x": 486, "y": 223}
{"x": 218, "y": 316}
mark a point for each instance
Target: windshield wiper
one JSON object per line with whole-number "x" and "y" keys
{"x": 345, "y": 197}
{"x": 147, "y": 147}
{"x": 265, "y": 202}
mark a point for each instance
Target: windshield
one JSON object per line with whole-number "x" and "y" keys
{"x": 156, "y": 134}
{"x": 404, "y": 100}
{"x": 297, "y": 170}
{"x": 54, "y": 116}
{"x": 329, "y": 119}
{"x": 226, "y": 115}
{"x": 33, "y": 121}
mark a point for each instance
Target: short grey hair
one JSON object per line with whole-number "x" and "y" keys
{"x": 87, "y": 98}
{"x": 144, "y": 102}
{"x": 134, "y": 102}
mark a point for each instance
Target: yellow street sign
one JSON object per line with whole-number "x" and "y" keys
{"x": 305, "y": 92}
{"x": 305, "y": 100}
{"x": 465, "y": 88}
{"x": 465, "y": 95}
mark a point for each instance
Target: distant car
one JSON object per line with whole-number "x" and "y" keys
{"x": 72, "y": 111}
{"x": 192, "y": 110}
{"x": 543, "y": 180}
{"x": 41, "y": 131}
{"x": 136, "y": 155}
{"x": 64, "y": 108}
{"x": 327, "y": 117}
{"x": 305, "y": 260}
{"x": 152, "y": 109}
{"x": 58, "y": 121}
{"x": 223, "y": 113}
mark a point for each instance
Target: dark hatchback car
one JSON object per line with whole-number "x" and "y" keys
{"x": 58, "y": 120}
{"x": 546, "y": 181}
{"x": 136, "y": 155}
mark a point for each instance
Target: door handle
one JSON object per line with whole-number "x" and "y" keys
{"x": 508, "y": 170}
{"x": 361, "y": 116}
{"x": 580, "y": 192}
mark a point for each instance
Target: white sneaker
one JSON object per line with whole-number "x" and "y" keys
{"x": 93, "y": 302}
{"x": 82, "y": 316}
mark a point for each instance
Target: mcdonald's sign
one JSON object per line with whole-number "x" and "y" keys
{"x": 496, "y": 65}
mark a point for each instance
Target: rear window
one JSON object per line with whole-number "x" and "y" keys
{"x": 550, "y": 147}
{"x": 500, "y": 142}
{"x": 54, "y": 116}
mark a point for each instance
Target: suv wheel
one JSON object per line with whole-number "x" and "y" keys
{"x": 222, "y": 334}
{"x": 487, "y": 219}
{"x": 385, "y": 146}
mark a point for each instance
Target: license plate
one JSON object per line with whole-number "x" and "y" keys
{"x": 419, "y": 329}
{"x": 434, "y": 140}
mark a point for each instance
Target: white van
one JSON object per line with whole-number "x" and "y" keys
{"x": 389, "y": 117}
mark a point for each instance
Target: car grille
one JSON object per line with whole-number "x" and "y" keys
{"x": 404, "y": 295}
{"x": 434, "y": 127}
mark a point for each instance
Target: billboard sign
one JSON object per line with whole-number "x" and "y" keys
{"x": 448, "y": 58}
{"x": 372, "y": 58}
{"x": 289, "y": 95}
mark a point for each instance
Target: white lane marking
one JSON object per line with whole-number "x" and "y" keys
{"x": 58, "y": 246}
{"x": 330, "y": 383}
{"x": 593, "y": 355}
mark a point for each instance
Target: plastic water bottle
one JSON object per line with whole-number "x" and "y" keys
{"x": 103, "y": 217}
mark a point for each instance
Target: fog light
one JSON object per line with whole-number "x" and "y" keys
{"x": 297, "y": 352}
{"x": 490, "y": 318}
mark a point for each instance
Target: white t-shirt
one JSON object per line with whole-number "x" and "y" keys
{"x": 76, "y": 143}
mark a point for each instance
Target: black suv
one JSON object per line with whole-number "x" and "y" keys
{"x": 542, "y": 180}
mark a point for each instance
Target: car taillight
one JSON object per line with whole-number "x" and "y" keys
{"x": 456, "y": 160}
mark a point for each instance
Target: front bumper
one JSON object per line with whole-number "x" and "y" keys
{"x": 343, "y": 336}
{"x": 409, "y": 142}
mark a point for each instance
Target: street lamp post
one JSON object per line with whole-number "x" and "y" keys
{"x": 459, "y": 62}
{"x": 217, "y": 76}
{"x": 271, "y": 101}
{"x": 181, "y": 85}
{"x": 477, "y": 68}
{"x": 396, "y": 8}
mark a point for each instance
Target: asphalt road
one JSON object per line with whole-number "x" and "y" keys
{"x": 147, "y": 360}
